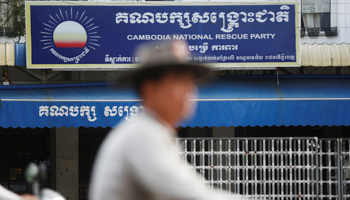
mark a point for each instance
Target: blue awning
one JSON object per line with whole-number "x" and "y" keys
{"x": 227, "y": 102}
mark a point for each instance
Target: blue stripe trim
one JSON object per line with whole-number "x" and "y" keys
{"x": 52, "y": 86}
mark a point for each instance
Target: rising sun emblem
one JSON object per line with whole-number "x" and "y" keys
{"x": 68, "y": 29}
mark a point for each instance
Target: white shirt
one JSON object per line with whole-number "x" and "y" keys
{"x": 139, "y": 161}
{"x": 8, "y": 195}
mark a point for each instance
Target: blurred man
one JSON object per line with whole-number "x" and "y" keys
{"x": 139, "y": 160}
{"x": 8, "y": 195}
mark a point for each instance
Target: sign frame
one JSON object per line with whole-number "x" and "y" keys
{"x": 217, "y": 65}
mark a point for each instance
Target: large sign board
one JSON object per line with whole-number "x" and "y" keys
{"x": 105, "y": 35}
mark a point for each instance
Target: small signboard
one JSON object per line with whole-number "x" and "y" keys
{"x": 106, "y": 34}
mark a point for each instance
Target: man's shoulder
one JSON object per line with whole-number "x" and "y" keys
{"x": 120, "y": 137}
{"x": 140, "y": 126}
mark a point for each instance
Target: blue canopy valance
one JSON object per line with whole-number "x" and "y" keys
{"x": 231, "y": 101}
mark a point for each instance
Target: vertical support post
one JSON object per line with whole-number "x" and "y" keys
{"x": 321, "y": 153}
{"x": 317, "y": 167}
{"x": 53, "y": 158}
{"x": 308, "y": 167}
{"x": 255, "y": 163}
{"x": 290, "y": 169}
{"x": 246, "y": 167}
{"x": 9, "y": 163}
{"x": 340, "y": 175}
{"x": 219, "y": 163}
{"x": 212, "y": 164}
{"x": 299, "y": 169}
{"x": 273, "y": 167}
{"x": 229, "y": 166}
{"x": 264, "y": 191}
{"x": 238, "y": 172}
{"x": 65, "y": 162}
{"x": 329, "y": 168}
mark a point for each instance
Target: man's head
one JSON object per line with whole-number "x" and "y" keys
{"x": 169, "y": 95}
{"x": 166, "y": 78}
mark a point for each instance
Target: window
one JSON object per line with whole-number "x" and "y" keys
{"x": 316, "y": 14}
{"x": 15, "y": 174}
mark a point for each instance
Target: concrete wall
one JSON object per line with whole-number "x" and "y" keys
{"x": 212, "y": 132}
{"x": 224, "y": 132}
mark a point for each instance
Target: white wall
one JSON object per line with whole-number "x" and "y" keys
{"x": 340, "y": 18}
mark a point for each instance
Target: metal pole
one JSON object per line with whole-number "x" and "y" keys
{"x": 299, "y": 167}
{"x": 329, "y": 170}
{"x": 340, "y": 177}
{"x": 264, "y": 168}
{"x": 273, "y": 168}
{"x": 317, "y": 169}
{"x": 212, "y": 164}
{"x": 321, "y": 169}
{"x": 290, "y": 169}
{"x": 239, "y": 167}
{"x": 308, "y": 168}
{"x": 220, "y": 164}
{"x": 246, "y": 171}
{"x": 229, "y": 166}
{"x": 282, "y": 169}
{"x": 255, "y": 169}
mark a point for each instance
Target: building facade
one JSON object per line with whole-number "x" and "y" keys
{"x": 69, "y": 151}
